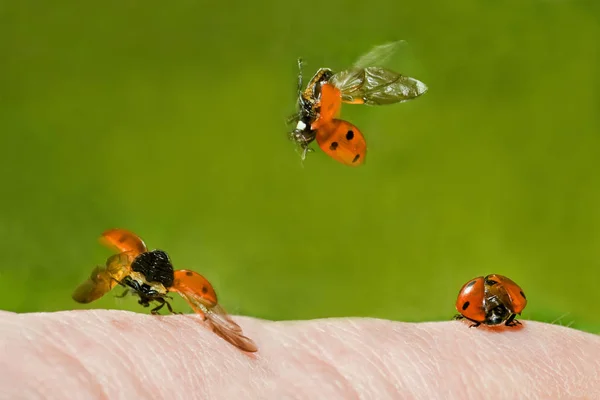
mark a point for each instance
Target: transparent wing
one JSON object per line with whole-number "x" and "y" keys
{"x": 122, "y": 240}
{"x": 225, "y": 327}
{"x": 103, "y": 278}
{"x": 200, "y": 295}
{"x": 378, "y": 55}
{"x": 99, "y": 283}
{"x": 377, "y": 86}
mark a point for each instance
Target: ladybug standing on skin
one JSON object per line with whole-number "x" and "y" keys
{"x": 491, "y": 300}
{"x": 320, "y": 103}
{"x": 150, "y": 276}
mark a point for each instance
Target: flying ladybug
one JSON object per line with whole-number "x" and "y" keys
{"x": 366, "y": 82}
{"x": 150, "y": 276}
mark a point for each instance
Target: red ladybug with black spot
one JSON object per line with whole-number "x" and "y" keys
{"x": 150, "y": 275}
{"x": 491, "y": 300}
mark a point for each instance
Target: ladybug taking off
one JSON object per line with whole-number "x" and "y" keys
{"x": 150, "y": 276}
{"x": 365, "y": 83}
{"x": 491, "y": 300}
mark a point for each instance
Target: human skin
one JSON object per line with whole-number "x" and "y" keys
{"x": 100, "y": 354}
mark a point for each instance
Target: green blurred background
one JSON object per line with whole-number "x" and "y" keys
{"x": 169, "y": 119}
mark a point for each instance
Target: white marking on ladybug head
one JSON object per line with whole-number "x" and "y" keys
{"x": 300, "y": 126}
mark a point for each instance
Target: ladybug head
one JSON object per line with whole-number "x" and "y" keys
{"x": 497, "y": 315}
{"x": 302, "y": 136}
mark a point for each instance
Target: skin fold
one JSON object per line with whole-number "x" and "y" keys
{"x": 101, "y": 354}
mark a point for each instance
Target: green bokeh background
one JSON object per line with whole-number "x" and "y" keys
{"x": 169, "y": 119}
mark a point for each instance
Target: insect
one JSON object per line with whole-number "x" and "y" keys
{"x": 364, "y": 83}
{"x": 150, "y": 276}
{"x": 490, "y": 300}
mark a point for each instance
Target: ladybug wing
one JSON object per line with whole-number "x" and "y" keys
{"x": 122, "y": 240}
{"x": 343, "y": 142}
{"x": 376, "y": 86}
{"x": 94, "y": 287}
{"x": 378, "y": 55}
{"x": 224, "y": 326}
{"x": 103, "y": 278}
{"x": 518, "y": 301}
{"x": 202, "y": 298}
{"x": 330, "y": 103}
{"x": 470, "y": 300}
{"x": 368, "y": 82}
{"x": 194, "y": 286}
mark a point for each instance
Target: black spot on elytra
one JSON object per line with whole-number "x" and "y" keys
{"x": 523, "y": 294}
{"x": 350, "y": 135}
{"x": 204, "y": 289}
{"x": 189, "y": 273}
{"x": 466, "y": 305}
{"x": 333, "y": 146}
{"x": 470, "y": 284}
{"x": 356, "y": 158}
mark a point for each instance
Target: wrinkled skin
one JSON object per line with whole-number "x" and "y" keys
{"x": 115, "y": 354}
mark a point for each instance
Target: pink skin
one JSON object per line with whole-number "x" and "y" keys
{"x": 115, "y": 354}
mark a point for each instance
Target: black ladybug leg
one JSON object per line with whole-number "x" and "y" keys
{"x": 119, "y": 296}
{"x": 155, "y": 310}
{"x": 171, "y": 308}
{"x": 474, "y": 324}
{"x": 511, "y": 321}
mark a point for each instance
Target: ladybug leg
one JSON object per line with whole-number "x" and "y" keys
{"x": 474, "y": 324}
{"x": 162, "y": 302}
{"x": 171, "y": 308}
{"x": 511, "y": 321}
{"x": 125, "y": 293}
{"x": 291, "y": 119}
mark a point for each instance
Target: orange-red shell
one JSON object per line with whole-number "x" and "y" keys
{"x": 470, "y": 300}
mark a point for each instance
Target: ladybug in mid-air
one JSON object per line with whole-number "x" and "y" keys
{"x": 491, "y": 300}
{"x": 150, "y": 276}
{"x": 364, "y": 83}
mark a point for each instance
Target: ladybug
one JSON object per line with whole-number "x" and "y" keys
{"x": 491, "y": 300}
{"x": 364, "y": 83}
{"x": 150, "y": 275}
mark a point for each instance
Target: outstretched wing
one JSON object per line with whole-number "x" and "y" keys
{"x": 376, "y": 86}
{"x": 122, "y": 240}
{"x": 369, "y": 81}
{"x": 378, "y": 55}
{"x": 99, "y": 283}
{"x": 223, "y": 326}
{"x": 200, "y": 295}
{"x": 103, "y": 278}
{"x": 330, "y": 103}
